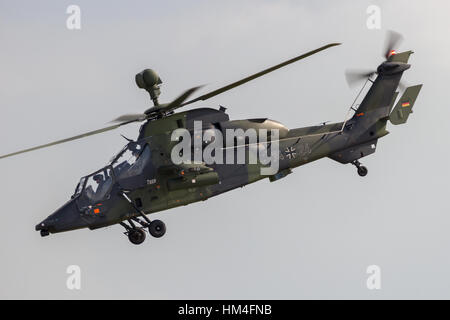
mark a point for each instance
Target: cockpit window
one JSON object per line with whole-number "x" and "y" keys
{"x": 95, "y": 187}
{"x": 80, "y": 186}
{"x": 129, "y": 163}
{"x": 128, "y": 153}
{"x": 98, "y": 185}
{"x": 131, "y": 160}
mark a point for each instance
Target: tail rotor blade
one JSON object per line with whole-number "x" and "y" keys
{"x": 355, "y": 76}
{"x": 392, "y": 42}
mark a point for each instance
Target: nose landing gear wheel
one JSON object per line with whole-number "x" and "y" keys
{"x": 136, "y": 236}
{"x": 157, "y": 228}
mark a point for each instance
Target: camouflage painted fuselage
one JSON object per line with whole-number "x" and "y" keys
{"x": 161, "y": 185}
{"x": 151, "y": 191}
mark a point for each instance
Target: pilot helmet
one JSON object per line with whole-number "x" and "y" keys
{"x": 98, "y": 177}
{"x": 135, "y": 148}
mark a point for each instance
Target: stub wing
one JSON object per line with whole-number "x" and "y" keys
{"x": 185, "y": 176}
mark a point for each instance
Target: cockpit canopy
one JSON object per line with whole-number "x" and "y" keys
{"x": 130, "y": 161}
{"x": 130, "y": 168}
{"x": 95, "y": 187}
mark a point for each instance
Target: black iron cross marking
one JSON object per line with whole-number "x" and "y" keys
{"x": 290, "y": 153}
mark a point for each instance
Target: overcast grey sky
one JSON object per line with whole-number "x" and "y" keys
{"x": 311, "y": 235}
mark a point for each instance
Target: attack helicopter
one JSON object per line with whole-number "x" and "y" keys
{"x": 142, "y": 178}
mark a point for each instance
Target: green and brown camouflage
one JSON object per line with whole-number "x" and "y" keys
{"x": 153, "y": 183}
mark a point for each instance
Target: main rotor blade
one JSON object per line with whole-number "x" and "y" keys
{"x": 257, "y": 75}
{"x": 130, "y": 117}
{"x": 175, "y": 104}
{"x": 178, "y": 102}
{"x": 87, "y": 134}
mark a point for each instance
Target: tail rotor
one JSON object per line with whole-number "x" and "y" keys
{"x": 356, "y": 76}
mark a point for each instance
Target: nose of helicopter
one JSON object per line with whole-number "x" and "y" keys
{"x": 64, "y": 219}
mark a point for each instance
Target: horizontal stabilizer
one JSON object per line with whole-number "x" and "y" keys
{"x": 404, "y": 106}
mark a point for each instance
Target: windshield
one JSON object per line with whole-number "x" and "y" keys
{"x": 80, "y": 186}
{"x": 95, "y": 187}
{"x": 126, "y": 167}
{"x": 131, "y": 160}
{"x": 98, "y": 185}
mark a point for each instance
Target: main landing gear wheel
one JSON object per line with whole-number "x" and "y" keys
{"x": 157, "y": 228}
{"x": 136, "y": 236}
{"x": 362, "y": 171}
